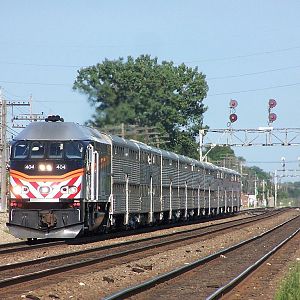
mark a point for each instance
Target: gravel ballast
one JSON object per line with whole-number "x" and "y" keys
{"x": 98, "y": 284}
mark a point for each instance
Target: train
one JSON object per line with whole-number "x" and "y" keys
{"x": 67, "y": 180}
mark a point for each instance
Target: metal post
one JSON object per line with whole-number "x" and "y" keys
{"x": 126, "y": 220}
{"x": 264, "y": 196}
{"x": 255, "y": 189}
{"x": 3, "y": 154}
{"x": 170, "y": 207}
{"x": 209, "y": 199}
{"x": 198, "y": 200}
{"x": 150, "y": 215}
{"x": 275, "y": 189}
{"x": 201, "y": 132}
{"x": 123, "y": 130}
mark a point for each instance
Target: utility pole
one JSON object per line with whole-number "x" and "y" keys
{"x": 3, "y": 149}
{"x": 255, "y": 189}
{"x": 3, "y": 143}
{"x": 275, "y": 189}
{"x": 31, "y": 117}
{"x": 201, "y": 132}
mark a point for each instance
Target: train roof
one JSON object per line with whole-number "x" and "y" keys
{"x": 60, "y": 131}
{"x": 121, "y": 141}
{"x": 69, "y": 131}
{"x": 229, "y": 171}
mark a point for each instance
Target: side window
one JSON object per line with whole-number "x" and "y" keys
{"x": 21, "y": 150}
{"x": 56, "y": 150}
{"x": 74, "y": 150}
{"x": 37, "y": 150}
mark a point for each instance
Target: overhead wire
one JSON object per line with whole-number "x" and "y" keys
{"x": 244, "y": 55}
{"x": 272, "y": 162}
{"x": 210, "y": 78}
{"x": 254, "y": 73}
{"x": 35, "y": 83}
{"x": 254, "y": 90}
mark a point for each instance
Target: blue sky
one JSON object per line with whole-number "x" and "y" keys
{"x": 239, "y": 45}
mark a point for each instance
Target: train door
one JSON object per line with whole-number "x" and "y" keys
{"x": 92, "y": 174}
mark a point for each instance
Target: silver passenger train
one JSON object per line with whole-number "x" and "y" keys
{"x": 67, "y": 180}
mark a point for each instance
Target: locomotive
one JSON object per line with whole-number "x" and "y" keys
{"x": 68, "y": 180}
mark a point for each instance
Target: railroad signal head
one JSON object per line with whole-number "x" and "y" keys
{"x": 272, "y": 103}
{"x": 272, "y": 117}
{"x": 233, "y": 103}
{"x": 233, "y": 118}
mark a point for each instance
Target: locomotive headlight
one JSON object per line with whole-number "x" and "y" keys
{"x": 17, "y": 190}
{"x": 42, "y": 167}
{"x": 44, "y": 189}
{"x": 72, "y": 189}
{"x": 45, "y": 167}
{"x": 20, "y": 189}
{"x": 68, "y": 189}
{"x": 49, "y": 168}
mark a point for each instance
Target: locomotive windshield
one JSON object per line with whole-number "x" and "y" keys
{"x": 21, "y": 150}
{"x": 74, "y": 150}
{"x": 53, "y": 150}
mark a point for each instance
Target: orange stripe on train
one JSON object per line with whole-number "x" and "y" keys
{"x": 57, "y": 178}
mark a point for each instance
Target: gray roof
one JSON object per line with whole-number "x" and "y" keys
{"x": 60, "y": 131}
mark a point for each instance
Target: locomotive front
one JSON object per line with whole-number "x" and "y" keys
{"x": 46, "y": 181}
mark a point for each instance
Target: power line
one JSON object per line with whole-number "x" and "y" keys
{"x": 187, "y": 62}
{"x": 254, "y": 73}
{"x": 35, "y": 83}
{"x": 255, "y": 90}
{"x": 42, "y": 65}
{"x": 271, "y": 162}
{"x": 244, "y": 56}
{"x": 11, "y": 94}
{"x": 209, "y": 78}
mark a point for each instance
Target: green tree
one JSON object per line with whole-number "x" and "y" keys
{"x": 219, "y": 153}
{"x": 143, "y": 92}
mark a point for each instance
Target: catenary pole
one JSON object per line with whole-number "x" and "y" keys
{"x": 3, "y": 154}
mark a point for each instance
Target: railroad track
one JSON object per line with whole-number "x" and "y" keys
{"x": 25, "y": 246}
{"x": 205, "y": 278}
{"x": 11, "y": 248}
{"x": 106, "y": 256}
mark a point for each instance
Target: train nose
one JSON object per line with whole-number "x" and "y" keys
{"x": 44, "y": 190}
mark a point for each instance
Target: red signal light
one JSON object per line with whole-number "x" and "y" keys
{"x": 272, "y": 103}
{"x": 272, "y": 117}
{"x": 233, "y": 118}
{"x": 233, "y": 104}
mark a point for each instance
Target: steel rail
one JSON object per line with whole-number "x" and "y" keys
{"x": 133, "y": 290}
{"x": 235, "y": 281}
{"x": 228, "y": 225}
{"x": 40, "y": 243}
{"x": 86, "y": 251}
{"x": 24, "y": 246}
{"x": 90, "y": 261}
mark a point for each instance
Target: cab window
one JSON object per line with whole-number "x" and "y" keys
{"x": 21, "y": 150}
{"x": 56, "y": 150}
{"x": 37, "y": 150}
{"x": 74, "y": 150}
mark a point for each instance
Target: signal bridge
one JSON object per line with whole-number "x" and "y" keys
{"x": 263, "y": 136}
{"x": 287, "y": 173}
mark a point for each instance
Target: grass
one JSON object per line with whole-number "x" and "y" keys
{"x": 290, "y": 286}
